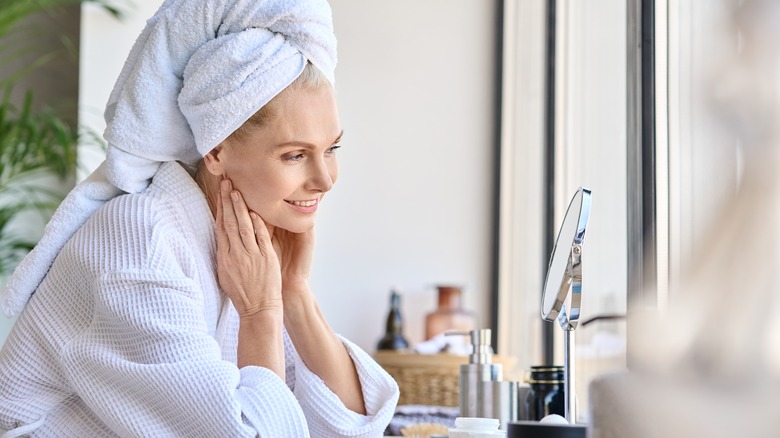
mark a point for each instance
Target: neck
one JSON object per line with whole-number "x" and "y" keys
{"x": 209, "y": 185}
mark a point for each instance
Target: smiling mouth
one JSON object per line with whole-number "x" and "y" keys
{"x": 308, "y": 203}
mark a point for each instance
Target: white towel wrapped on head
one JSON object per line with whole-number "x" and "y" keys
{"x": 197, "y": 72}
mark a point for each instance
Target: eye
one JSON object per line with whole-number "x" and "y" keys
{"x": 332, "y": 149}
{"x": 293, "y": 157}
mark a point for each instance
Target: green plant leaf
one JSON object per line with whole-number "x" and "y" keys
{"x": 37, "y": 146}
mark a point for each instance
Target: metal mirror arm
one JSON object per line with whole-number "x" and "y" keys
{"x": 568, "y": 323}
{"x": 575, "y": 272}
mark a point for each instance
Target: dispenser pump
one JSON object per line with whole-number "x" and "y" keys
{"x": 474, "y": 399}
{"x": 481, "y": 353}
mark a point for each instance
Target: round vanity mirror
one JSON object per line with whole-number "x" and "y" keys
{"x": 562, "y": 292}
{"x": 564, "y": 271}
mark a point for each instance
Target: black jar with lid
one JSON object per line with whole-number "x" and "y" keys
{"x": 547, "y": 392}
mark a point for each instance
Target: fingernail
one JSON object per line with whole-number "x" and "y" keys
{"x": 225, "y": 185}
{"x": 234, "y": 195}
{"x": 253, "y": 215}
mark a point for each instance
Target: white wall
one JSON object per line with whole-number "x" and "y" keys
{"x": 413, "y": 205}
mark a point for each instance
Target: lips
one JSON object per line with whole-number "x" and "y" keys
{"x": 308, "y": 203}
{"x": 306, "y": 206}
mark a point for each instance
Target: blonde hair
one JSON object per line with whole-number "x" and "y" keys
{"x": 311, "y": 78}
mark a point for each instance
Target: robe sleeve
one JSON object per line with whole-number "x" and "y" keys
{"x": 147, "y": 366}
{"x": 326, "y": 415}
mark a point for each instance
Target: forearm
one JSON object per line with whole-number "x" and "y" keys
{"x": 321, "y": 350}
{"x": 260, "y": 342}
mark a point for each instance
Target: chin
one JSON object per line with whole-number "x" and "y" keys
{"x": 297, "y": 228}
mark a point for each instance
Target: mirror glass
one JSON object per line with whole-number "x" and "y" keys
{"x": 559, "y": 271}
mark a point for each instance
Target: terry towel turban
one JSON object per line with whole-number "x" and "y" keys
{"x": 197, "y": 72}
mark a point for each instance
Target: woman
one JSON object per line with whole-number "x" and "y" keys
{"x": 181, "y": 306}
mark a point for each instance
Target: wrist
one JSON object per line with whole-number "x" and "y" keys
{"x": 298, "y": 304}
{"x": 261, "y": 341}
{"x": 295, "y": 287}
{"x": 263, "y": 316}
{"x": 295, "y": 292}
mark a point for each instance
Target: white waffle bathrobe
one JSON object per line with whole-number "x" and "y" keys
{"x": 129, "y": 335}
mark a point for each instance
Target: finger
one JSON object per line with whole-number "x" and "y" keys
{"x": 246, "y": 229}
{"x": 262, "y": 237}
{"x": 222, "y": 238}
{"x": 229, "y": 221}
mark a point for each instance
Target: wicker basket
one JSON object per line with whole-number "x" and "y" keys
{"x": 428, "y": 379}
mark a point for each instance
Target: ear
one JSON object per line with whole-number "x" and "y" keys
{"x": 214, "y": 161}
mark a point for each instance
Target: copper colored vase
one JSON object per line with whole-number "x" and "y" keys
{"x": 449, "y": 315}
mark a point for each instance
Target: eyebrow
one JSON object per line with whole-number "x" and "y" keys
{"x": 308, "y": 145}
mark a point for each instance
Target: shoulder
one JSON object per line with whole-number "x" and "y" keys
{"x": 165, "y": 223}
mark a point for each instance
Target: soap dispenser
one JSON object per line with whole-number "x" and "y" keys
{"x": 472, "y": 394}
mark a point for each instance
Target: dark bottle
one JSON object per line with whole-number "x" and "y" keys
{"x": 547, "y": 392}
{"x": 394, "y": 336}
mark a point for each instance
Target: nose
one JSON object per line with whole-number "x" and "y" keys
{"x": 323, "y": 174}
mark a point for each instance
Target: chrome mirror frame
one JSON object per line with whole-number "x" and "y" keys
{"x": 564, "y": 285}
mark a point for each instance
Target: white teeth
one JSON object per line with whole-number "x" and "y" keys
{"x": 303, "y": 203}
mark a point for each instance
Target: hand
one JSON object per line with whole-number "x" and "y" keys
{"x": 295, "y": 252}
{"x": 247, "y": 265}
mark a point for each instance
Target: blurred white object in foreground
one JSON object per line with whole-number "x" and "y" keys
{"x": 710, "y": 365}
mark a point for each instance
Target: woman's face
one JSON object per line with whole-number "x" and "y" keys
{"x": 284, "y": 168}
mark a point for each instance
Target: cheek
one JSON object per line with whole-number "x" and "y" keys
{"x": 264, "y": 200}
{"x": 257, "y": 187}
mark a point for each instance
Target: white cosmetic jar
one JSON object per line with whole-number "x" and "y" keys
{"x": 470, "y": 427}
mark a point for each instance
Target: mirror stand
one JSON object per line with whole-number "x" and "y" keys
{"x": 562, "y": 294}
{"x": 568, "y": 325}
{"x": 568, "y": 376}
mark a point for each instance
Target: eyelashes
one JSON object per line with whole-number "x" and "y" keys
{"x": 298, "y": 156}
{"x": 293, "y": 157}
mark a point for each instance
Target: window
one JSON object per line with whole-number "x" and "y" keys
{"x": 625, "y": 113}
{"x": 578, "y": 122}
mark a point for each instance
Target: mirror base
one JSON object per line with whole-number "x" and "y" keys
{"x": 534, "y": 429}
